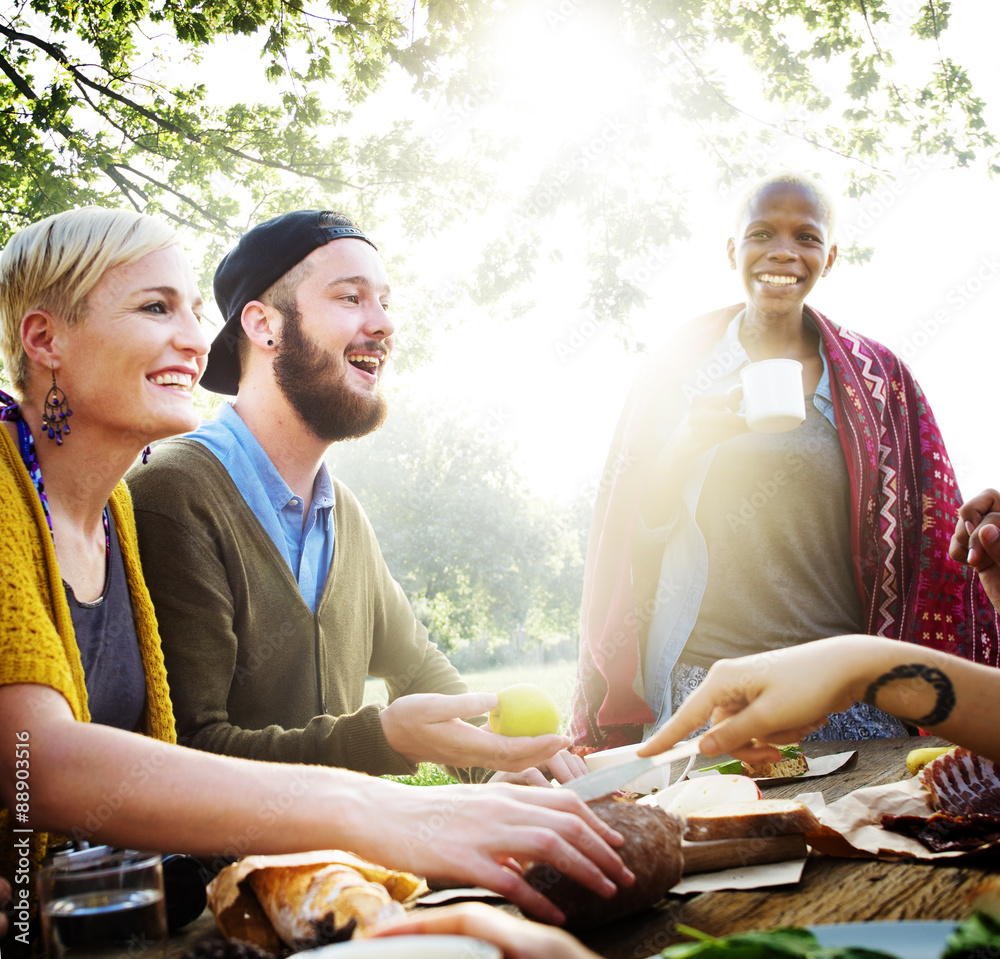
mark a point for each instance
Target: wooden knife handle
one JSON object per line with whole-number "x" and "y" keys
{"x": 734, "y": 853}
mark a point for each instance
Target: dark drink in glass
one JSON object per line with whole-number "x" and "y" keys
{"x": 110, "y": 907}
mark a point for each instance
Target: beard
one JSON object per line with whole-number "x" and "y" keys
{"x": 315, "y": 386}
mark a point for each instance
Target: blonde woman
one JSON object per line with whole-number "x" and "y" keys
{"x": 100, "y": 320}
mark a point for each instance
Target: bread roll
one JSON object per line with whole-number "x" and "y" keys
{"x": 318, "y": 904}
{"x": 652, "y": 850}
{"x": 306, "y": 899}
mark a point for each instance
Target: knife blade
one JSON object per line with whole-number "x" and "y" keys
{"x": 603, "y": 781}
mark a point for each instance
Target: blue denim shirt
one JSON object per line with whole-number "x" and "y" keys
{"x": 308, "y": 548}
{"x": 684, "y": 571}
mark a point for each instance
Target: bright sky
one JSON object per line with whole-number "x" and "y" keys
{"x": 553, "y": 380}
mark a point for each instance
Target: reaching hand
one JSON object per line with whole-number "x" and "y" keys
{"x": 976, "y": 540}
{"x": 429, "y": 727}
{"x": 774, "y": 697}
{"x": 518, "y": 938}
{"x": 483, "y": 835}
{"x": 562, "y": 767}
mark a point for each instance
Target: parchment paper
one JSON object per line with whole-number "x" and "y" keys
{"x": 239, "y": 915}
{"x": 746, "y": 877}
{"x": 818, "y": 766}
{"x": 851, "y": 826}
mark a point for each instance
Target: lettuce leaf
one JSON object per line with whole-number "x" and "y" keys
{"x": 733, "y": 767}
{"x": 976, "y": 938}
{"x": 791, "y": 942}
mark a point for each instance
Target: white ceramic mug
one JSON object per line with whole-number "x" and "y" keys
{"x": 773, "y": 399}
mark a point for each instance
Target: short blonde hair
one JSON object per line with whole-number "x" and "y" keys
{"x": 54, "y": 264}
{"x": 794, "y": 178}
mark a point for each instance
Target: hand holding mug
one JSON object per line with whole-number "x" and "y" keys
{"x": 773, "y": 398}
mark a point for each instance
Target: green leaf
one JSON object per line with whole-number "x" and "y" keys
{"x": 976, "y": 938}
{"x": 791, "y": 942}
{"x": 731, "y": 767}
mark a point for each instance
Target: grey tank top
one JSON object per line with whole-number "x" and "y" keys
{"x": 109, "y": 648}
{"x": 775, "y": 513}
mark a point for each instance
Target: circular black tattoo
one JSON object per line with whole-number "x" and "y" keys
{"x": 934, "y": 677}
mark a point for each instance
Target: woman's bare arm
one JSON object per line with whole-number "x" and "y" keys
{"x": 102, "y": 784}
{"x": 781, "y": 696}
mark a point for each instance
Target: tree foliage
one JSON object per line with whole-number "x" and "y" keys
{"x": 734, "y": 82}
{"x": 480, "y": 557}
{"x": 108, "y": 101}
{"x": 102, "y": 103}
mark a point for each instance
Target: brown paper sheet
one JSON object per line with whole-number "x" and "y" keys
{"x": 239, "y": 915}
{"x": 851, "y": 826}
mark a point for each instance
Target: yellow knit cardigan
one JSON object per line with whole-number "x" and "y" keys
{"x": 37, "y": 643}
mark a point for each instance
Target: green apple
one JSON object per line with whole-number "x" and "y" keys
{"x": 524, "y": 710}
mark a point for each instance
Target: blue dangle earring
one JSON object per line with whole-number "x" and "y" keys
{"x": 56, "y": 413}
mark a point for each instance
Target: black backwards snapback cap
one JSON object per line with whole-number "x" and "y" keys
{"x": 262, "y": 256}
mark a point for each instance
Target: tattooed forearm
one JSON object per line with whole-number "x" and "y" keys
{"x": 938, "y": 681}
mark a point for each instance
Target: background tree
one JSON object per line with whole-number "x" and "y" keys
{"x": 525, "y": 133}
{"x": 727, "y": 80}
{"x": 117, "y": 103}
{"x": 485, "y": 563}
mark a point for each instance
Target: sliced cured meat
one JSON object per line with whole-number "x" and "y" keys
{"x": 943, "y": 833}
{"x": 962, "y": 782}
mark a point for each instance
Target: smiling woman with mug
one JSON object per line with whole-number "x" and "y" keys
{"x": 711, "y": 541}
{"x": 101, "y": 337}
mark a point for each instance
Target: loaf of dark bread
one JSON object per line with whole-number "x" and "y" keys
{"x": 652, "y": 850}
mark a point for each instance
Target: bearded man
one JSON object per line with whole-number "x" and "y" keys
{"x": 272, "y": 596}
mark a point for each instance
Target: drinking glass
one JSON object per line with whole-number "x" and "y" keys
{"x": 106, "y": 906}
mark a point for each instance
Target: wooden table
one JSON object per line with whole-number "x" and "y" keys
{"x": 831, "y": 890}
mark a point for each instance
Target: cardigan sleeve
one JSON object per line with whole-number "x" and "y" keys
{"x": 410, "y": 663}
{"x": 195, "y": 606}
{"x": 37, "y": 643}
{"x": 402, "y": 654}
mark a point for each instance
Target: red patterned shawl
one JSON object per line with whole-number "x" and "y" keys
{"x": 904, "y": 497}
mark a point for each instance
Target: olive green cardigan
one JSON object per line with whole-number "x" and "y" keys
{"x": 253, "y": 671}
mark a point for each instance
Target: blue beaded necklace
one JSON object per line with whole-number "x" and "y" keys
{"x": 9, "y": 410}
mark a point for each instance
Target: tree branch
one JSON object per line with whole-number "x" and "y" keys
{"x": 937, "y": 40}
{"x": 190, "y": 201}
{"x": 767, "y": 123}
{"x": 900, "y": 99}
{"x": 125, "y": 187}
{"x": 162, "y": 122}
{"x": 19, "y": 82}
